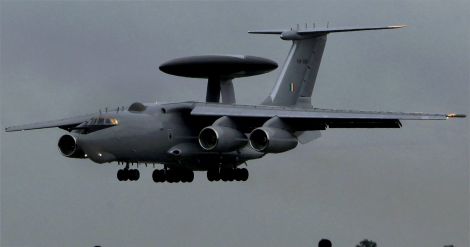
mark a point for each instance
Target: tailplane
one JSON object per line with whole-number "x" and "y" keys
{"x": 295, "y": 84}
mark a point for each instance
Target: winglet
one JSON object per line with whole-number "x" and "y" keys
{"x": 455, "y": 115}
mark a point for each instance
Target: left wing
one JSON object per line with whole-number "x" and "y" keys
{"x": 66, "y": 124}
{"x": 301, "y": 119}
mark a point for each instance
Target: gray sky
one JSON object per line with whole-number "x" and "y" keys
{"x": 399, "y": 187}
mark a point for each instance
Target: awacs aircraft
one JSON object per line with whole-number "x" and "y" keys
{"x": 218, "y": 136}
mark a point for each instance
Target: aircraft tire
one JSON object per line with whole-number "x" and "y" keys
{"x": 190, "y": 176}
{"x": 157, "y": 176}
{"x": 134, "y": 174}
{"x": 171, "y": 176}
{"x": 223, "y": 174}
{"x": 180, "y": 176}
{"x": 238, "y": 174}
{"x": 231, "y": 175}
{"x": 212, "y": 174}
{"x": 244, "y": 174}
{"x": 184, "y": 176}
{"x": 217, "y": 176}
{"x": 128, "y": 175}
{"x": 124, "y": 175}
{"x": 120, "y": 175}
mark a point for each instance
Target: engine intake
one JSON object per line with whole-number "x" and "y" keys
{"x": 272, "y": 140}
{"x": 69, "y": 148}
{"x": 221, "y": 139}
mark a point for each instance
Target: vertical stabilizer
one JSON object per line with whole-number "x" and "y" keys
{"x": 297, "y": 79}
{"x": 295, "y": 84}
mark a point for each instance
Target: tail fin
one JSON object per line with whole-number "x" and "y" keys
{"x": 294, "y": 87}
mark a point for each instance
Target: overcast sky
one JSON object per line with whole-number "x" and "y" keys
{"x": 398, "y": 187}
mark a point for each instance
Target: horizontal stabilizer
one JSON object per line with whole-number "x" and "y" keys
{"x": 315, "y": 32}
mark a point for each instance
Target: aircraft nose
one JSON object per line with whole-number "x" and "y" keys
{"x": 94, "y": 151}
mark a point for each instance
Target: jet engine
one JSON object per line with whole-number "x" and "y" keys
{"x": 221, "y": 139}
{"x": 272, "y": 140}
{"x": 69, "y": 148}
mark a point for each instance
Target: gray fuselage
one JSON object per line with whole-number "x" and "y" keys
{"x": 155, "y": 135}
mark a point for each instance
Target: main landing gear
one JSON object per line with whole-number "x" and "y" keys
{"x": 128, "y": 174}
{"x": 173, "y": 175}
{"x": 227, "y": 174}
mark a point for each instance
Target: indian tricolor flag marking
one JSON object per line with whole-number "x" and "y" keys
{"x": 292, "y": 87}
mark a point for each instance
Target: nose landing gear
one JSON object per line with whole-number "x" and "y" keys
{"x": 128, "y": 174}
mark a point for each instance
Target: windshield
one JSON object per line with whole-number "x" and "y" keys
{"x": 103, "y": 121}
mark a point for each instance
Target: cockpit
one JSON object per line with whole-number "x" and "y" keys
{"x": 102, "y": 121}
{"x": 95, "y": 124}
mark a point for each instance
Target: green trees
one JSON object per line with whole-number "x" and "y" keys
{"x": 367, "y": 243}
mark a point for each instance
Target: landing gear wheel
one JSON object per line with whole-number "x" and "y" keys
{"x": 244, "y": 174}
{"x": 188, "y": 176}
{"x": 213, "y": 174}
{"x": 137, "y": 174}
{"x": 226, "y": 174}
{"x": 158, "y": 176}
{"x": 155, "y": 176}
{"x": 120, "y": 175}
{"x": 238, "y": 175}
{"x": 134, "y": 174}
{"x": 170, "y": 176}
{"x": 231, "y": 175}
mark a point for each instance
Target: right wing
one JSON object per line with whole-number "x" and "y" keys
{"x": 66, "y": 124}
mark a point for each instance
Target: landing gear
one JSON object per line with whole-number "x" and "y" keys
{"x": 173, "y": 175}
{"x": 128, "y": 174}
{"x": 158, "y": 176}
{"x": 227, "y": 174}
{"x": 213, "y": 174}
{"x": 241, "y": 174}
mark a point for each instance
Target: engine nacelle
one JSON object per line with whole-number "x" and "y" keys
{"x": 69, "y": 148}
{"x": 221, "y": 139}
{"x": 272, "y": 140}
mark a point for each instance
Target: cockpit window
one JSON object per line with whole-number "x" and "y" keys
{"x": 103, "y": 121}
{"x": 96, "y": 124}
{"x": 114, "y": 121}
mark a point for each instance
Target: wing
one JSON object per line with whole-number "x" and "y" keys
{"x": 250, "y": 117}
{"x": 66, "y": 124}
